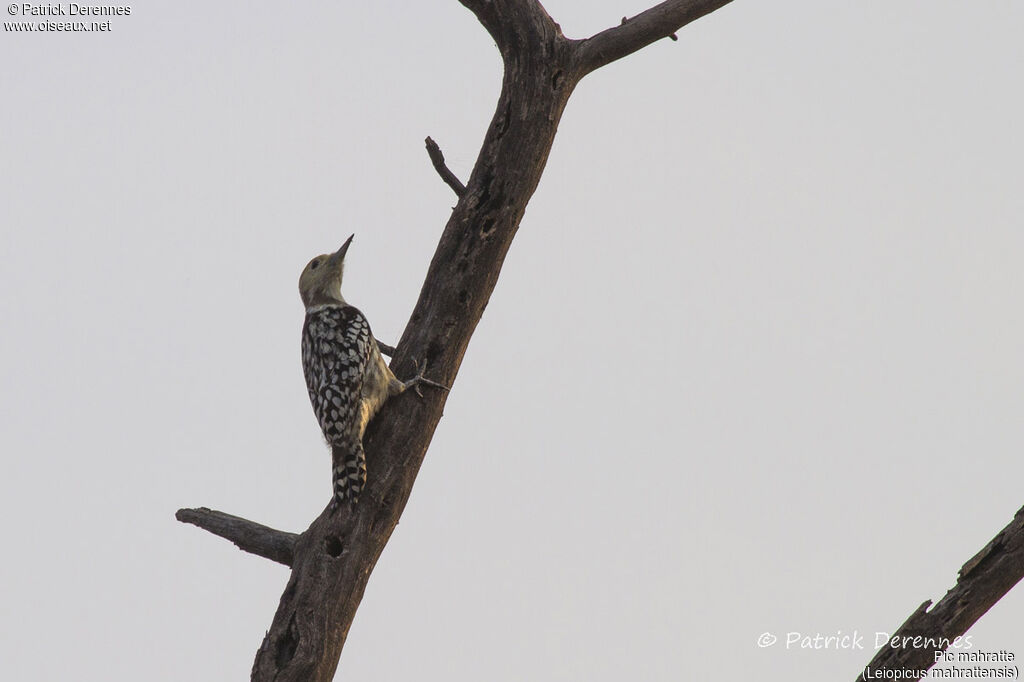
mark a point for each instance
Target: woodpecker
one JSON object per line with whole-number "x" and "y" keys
{"x": 347, "y": 378}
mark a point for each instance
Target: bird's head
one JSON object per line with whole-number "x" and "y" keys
{"x": 320, "y": 281}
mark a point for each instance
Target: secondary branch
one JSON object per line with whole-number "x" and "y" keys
{"x": 249, "y": 536}
{"x": 437, "y": 158}
{"x": 660, "y": 21}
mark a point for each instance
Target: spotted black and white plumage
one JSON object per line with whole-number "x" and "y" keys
{"x": 347, "y": 378}
{"x": 336, "y": 345}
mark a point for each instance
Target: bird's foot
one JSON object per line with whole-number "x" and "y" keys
{"x": 415, "y": 382}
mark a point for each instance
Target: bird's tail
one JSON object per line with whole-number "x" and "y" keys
{"x": 349, "y": 470}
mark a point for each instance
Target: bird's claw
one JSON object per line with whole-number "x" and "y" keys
{"x": 420, "y": 379}
{"x": 419, "y": 376}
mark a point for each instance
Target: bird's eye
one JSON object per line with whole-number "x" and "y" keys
{"x": 314, "y": 264}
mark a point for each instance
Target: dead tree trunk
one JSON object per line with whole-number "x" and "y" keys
{"x": 332, "y": 560}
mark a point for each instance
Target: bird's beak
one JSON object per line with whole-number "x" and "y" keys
{"x": 339, "y": 255}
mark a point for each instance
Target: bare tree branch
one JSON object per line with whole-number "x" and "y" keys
{"x": 437, "y": 158}
{"x": 276, "y": 545}
{"x": 982, "y": 581}
{"x": 661, "y": 21}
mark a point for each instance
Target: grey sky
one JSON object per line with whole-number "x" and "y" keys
{"x": 753, "y": 363}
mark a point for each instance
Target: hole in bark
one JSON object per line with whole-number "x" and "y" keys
{"x": 463, "y": 297}
{"x": 287, "y": 644}
{"x": 556, "y": 80}
{"x": 333, "y": 546}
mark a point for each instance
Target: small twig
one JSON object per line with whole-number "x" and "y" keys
{"x": 437, "y": 158}
{"x": 248, "y": 536}
{"x": 385, "y": 348}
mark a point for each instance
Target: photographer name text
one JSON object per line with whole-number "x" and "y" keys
{"x": 70, "y": 9}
